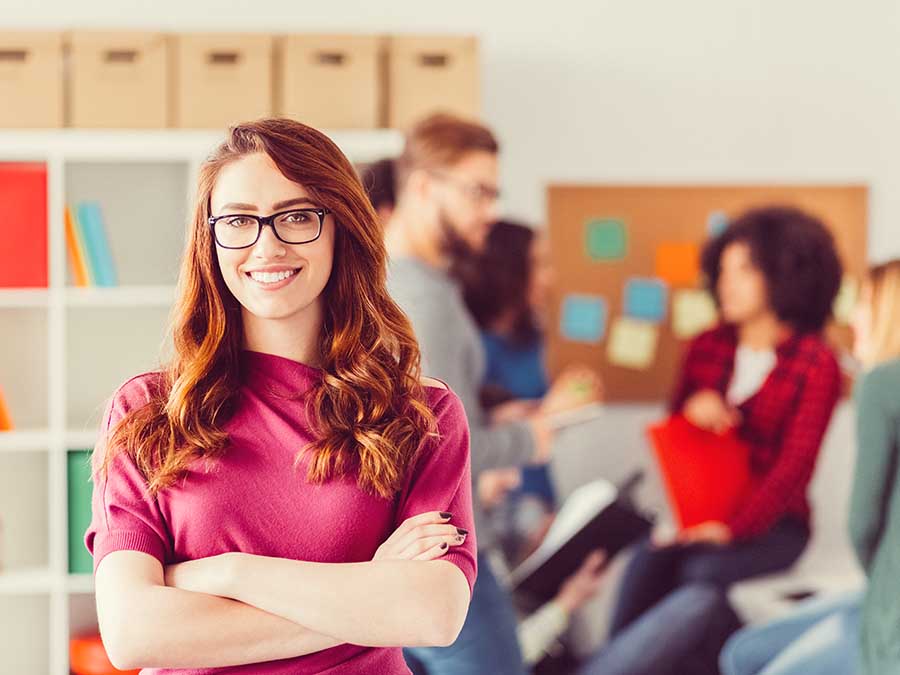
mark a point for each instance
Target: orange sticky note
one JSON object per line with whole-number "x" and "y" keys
{"x": 678, "y": 263}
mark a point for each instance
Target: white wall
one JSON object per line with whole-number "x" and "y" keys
{"x": 639, "y": 90}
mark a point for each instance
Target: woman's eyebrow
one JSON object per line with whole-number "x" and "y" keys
{"x": 278, "y": 205}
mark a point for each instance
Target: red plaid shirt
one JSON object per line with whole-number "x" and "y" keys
{"x": 783, "y": 422}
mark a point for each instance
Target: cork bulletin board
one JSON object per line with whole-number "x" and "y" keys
{"x": 628, "y": 290}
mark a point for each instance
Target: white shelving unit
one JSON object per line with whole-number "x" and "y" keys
{"x": 80, "y": 369}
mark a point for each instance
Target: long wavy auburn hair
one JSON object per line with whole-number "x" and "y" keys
{"x": 369, "y": 412}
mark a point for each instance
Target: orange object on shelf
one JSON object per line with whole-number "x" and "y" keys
{"x": 706, "y": 475}
{"x": 75, "y": 247}
{"x": 6, "y": 423}
{"x": 87, "y": 656}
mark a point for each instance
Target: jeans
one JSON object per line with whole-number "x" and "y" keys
{"x": 655, "y": 572}
{"x": 663, "y": 640}
{"x": 487, "y": 643}
{"x": 821, "y": 636}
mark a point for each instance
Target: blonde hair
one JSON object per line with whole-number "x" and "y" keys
{"x": 883, "y": 283}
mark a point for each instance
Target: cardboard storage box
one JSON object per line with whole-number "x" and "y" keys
{"x": 118, "y": 79}
{"x": 31, "y": 79}
{"x": 330, "y": 81}
{"x": 221, "y": 79}
{"x": 429, "y": 74}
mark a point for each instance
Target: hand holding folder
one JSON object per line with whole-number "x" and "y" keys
{"x": 706, "y": 475}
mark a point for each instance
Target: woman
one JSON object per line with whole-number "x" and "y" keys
{"x": 766, "y": 370}
{"x": 506, "y": 289}
{"x": 286, "y": 495}
{"x": 853, "y": 632}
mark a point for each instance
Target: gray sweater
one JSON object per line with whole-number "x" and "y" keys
{"x": 452, "y": 351}
{"x": 875, "y": 514}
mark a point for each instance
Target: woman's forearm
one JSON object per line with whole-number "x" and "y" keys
{"x": 379, "y": 603}
{"x": 172, "y": 628}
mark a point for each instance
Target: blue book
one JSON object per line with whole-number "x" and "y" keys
{"x": 91, "y": 219}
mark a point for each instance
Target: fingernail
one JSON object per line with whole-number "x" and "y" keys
{"x": 446, "y": 515}
{"x": 462, "y": 531}
{"x": 444, "y": 545}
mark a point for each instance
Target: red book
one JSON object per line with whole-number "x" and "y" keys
{"x": 23, "y": 225}
{"x": 706, "y": 475}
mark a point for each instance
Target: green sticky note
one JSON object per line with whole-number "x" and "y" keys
{"x": 80, "y": 488}
{"x": 605, "y": 239}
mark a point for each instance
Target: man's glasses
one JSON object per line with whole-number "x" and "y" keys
{"x": 477, "y": 192}
{"x": 297, "y": 226}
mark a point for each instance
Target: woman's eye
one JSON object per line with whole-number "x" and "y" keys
{"x": 298, "y": 217}
{"x": 239, "y": 221}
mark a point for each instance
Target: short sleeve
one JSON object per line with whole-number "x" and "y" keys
{"x": 123, "y": 515}
{"x": 441, "y": 479}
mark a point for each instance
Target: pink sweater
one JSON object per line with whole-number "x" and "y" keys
{"x": 253, "y": 500}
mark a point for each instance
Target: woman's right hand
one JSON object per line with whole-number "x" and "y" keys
{"x": 708, "y": 410}
{"x": 423, "y": 537}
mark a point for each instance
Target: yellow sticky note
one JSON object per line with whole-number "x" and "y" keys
{"x": 845, "y": 302}
{"x": 693, "y": 311}
{"x": 632, "y": 343}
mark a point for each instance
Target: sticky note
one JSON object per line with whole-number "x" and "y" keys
{"x": 605, "y": 239}
{"x": 632, "y": 343}
{"x": 678, "y": 263}
{"x": 716, "y": 223}
{"x": 646, "y": 298}
{"x": 583, "y": 318}
{"x": 693, "y": 311}
{"x": 845, "y": 301}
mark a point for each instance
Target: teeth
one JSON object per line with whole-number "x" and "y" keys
{"x": 271, "y": 277}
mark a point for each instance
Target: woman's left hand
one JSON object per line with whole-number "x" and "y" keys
{"x": 205, "y": 575}
{"x": 711, "y": 532}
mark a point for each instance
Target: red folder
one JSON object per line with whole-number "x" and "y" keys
{"x": 23, "y": 225}
{"x": 706, "y": 475}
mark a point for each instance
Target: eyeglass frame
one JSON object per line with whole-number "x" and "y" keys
{"x": 473, "y": 189}
{"x": 262, "y": 221}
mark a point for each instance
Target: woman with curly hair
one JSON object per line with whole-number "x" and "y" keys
{"x": 766, "y": 370}
{"x": 287, "y": 494}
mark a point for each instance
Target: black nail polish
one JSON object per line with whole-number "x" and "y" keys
{"x": 444, "y": 545}
{"x": 462, "y": 531}
{"x": 446, "y": 515}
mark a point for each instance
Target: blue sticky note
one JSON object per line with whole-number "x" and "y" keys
{"x": 716, "y": 223}
{"x": 646, "y": 298}
{"x": 584, "y": 317}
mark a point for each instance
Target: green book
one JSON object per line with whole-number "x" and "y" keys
{"x": 80, "y": 489}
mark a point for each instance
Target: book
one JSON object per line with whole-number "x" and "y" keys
{"x": 596, "y": 515}
{"x": 706, "y": 475}
{"x": 23, "y": 251}
{"x": 6, "y": 423}
{"x": 91, "y": 219}
{"x": 75, "y": 248}
{"x": 79, "y": 511}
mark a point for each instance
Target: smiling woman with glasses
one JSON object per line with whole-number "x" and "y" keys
{"x": 288, "y": 494}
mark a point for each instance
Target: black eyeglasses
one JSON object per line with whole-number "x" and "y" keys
{"x": 297, "y": 226}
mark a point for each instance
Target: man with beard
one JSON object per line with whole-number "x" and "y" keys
{"x": 447, "y": 201}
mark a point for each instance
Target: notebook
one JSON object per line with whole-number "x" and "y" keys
{"x": 706, "y": 475}
{"x": 596, "y": 515}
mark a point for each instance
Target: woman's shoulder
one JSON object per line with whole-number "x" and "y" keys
{"x": 135, "y": 392}
{"x": 814, "y": 348}
{"x": 720, "y": 335}
{"x": 434, "y": 383}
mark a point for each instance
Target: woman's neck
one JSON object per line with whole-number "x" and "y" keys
{"x": 763, "y": 332}
{"x": 298, "y": 337}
